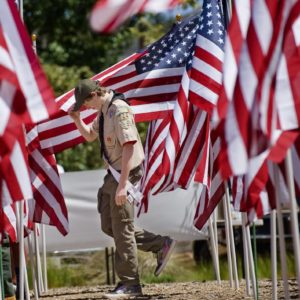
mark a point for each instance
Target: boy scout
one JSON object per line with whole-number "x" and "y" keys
{"x": 122, "y": 149}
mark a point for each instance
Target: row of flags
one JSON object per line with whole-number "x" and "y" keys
{"x": 223, "y": 110}
{"x": 25, "y": 99}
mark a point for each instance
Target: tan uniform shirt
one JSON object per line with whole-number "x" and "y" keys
{"x": 119, "y": 128}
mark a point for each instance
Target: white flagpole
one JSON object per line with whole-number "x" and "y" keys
{"x": 228, "y": 244}
{"x": 214, "y": 252}
{"x": 20, "y": 222}
{"x": 274, "y": 254}
{"x": 232, "y": 245}
{"x": 216, "y": 237}
{"x": 251, "y": 261}
{"x": 281, "y": 235}
{"x": 246, "y": 255}
{"x": 34, "y": 276}
{"x": 294, "y": 211}
{"x": 44, "y": 253}
{"x": 38, "y": 260}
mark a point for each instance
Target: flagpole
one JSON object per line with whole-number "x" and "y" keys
{"x": 33, "y": 269}
{"x": 274, "y": 254}
{"x": 44, "y": 253}
{"x": 231, "y": 235}
{"x": 246, "y": 255}
{"x": 294, "y": 211}
{"x": 1, "y": 273}
{"x": 281, "y": 235}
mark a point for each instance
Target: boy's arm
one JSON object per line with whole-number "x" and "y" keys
{"x": 86, "y": 131}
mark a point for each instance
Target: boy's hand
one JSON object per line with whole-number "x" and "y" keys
{"x": 75, "y": 115}
{"x": 121, "y": 195}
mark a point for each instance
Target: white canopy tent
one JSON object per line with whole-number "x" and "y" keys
{"x": 169, "y": 214}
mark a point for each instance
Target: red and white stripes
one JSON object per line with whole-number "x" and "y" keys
{"x": 108, "y": 15}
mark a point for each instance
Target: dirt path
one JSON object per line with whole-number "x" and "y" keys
{"x": 178, "y": 291}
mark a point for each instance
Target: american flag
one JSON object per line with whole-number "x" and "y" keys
{"x": 261, "y": 78}
{"x": 150, "y": 80}
{"x": 198, "y": 80}
{"x": 25, "y": 97}
{"x": 108, "y": 15}
{"x": 48, "y": 204}
{"x": 185, "y": 145}
{"x": 254, "y": 192}
{"x": 213, "y": 188}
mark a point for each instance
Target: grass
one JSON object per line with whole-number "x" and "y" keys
{"x": 89, "y": 269}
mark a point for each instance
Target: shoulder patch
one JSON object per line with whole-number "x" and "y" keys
{"x": 122, "y": 109}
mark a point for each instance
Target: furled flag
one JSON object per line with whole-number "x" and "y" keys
{"x": 108, "y": 15}
{"x": 263, "y": 84}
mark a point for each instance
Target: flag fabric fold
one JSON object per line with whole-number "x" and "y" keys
{"x": 108, "y": 15}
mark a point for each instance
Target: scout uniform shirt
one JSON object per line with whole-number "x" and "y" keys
{"x": 119, "y": 129}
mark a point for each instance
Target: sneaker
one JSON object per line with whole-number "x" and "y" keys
{"x": 164, "y": 254}
{"x": 124, "y": 292}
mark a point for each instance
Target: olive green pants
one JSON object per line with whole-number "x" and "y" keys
{"x": 118, "y": 222}
{"x": 6, "y": 265}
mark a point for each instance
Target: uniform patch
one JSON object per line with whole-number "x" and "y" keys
{"x": 125, "y": 120}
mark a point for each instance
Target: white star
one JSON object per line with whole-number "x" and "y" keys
{"x": 144, "y": 68}
{"x": 149, "y": 62}
{"x": 174, "y": 55}
{"x": 209, "y": 14}
{"x": 181, "y": 35}
{"x": 210, "y": 31}
{"x": 142, "y": 61}
{"x": 165, "y": 45}
{"x": 190, "y": 61}
{"x": 189, "y": 37}
{"x": 186, "y": 28}
{"x": 177, "y": 41}
{"x": 147, "y": 54}
{"x": 159, "y": 51}
{"x": 220, "y": 41}
{"x": 179, "y": 49}
{"x": 186, "y": 54}
{"x": 220, "y": 32}
{"x": 183, "y": 43}
{"x": 156, "y": 65}
{"x": 180, "y": 60}
{"x": 209, "y": 23}
{"x": 155, "y": 56}
{"x": 201, "y": 27}
{"x": 153, "y": 48}
{"x": 208, "y": 6}
{"x": 219, "y": 23}
{"x": 168, "y": 62}
{"x": 218, "y": 15}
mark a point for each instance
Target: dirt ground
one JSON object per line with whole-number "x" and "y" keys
{"x": 178, "y": 291}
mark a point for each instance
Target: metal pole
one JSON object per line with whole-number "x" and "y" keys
{"x": 232, "y": 246}
{"x": 255, "y": 257}
{"x": 274, "y": 254}
{"x": 45, "y": 277}
{"x": 1, "y": 274}
{"x": 294, "y": 212}
{"x": 33, "y": 269}
{"x": 281, "y": 235}
{"x": 38, "y": 260}
{"x": 20, "y": 205}
{"x": 246, "y": 255}
{"x": 214, "y": 252}
{"x": 251, "y": 262}
{"x": 228, "y": 247}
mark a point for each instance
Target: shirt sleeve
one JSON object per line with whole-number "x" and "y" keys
{"x": 125, "y": 126}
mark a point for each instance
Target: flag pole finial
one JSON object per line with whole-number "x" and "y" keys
{"x": 178, "y": 18}
{"x": 33, "y": 37}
